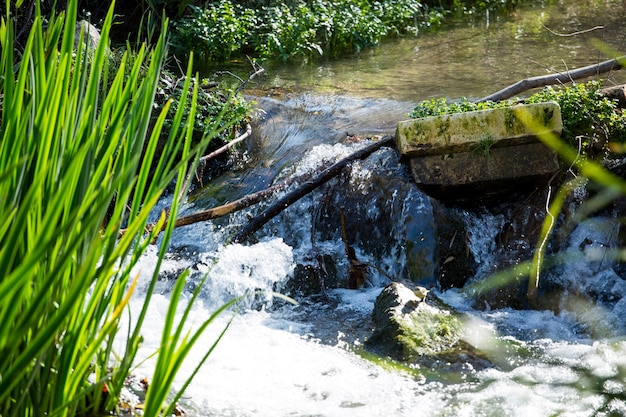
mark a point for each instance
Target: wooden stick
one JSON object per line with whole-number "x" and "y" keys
{"x": 562, "y": 77}
{"x": 234, "y": 206}
{"x": 343, "y": 233}
{"x": 240, "y": 204}
{"x": 259, "y": 221}
{"x": 230, "y": 144}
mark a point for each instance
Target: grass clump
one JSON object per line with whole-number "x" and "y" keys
{"x": 78, "y": 162}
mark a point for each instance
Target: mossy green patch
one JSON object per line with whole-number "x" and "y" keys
{"x": 588, "y": 117}
{"x": 426, "y": 331}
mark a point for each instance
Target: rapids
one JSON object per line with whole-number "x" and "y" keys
{"x": 279, "y": 359}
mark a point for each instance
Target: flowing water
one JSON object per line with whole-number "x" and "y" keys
{"x": 277, "y": 359}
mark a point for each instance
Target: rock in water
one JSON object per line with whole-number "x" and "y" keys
{"x": 408, "y": 325}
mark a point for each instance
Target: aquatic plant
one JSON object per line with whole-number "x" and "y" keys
{"x": 78, "y": 163}
{"x": 484, "y": 146}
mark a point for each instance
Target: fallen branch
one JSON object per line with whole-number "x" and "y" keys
{"x": 202, "y": 161}
{"x": 230, "y": 144}
{"x": 240, "y": 204}
{"x": 259, "y": 221}
{"x": 562, "y": 77}
{"x": 232, "y": 207}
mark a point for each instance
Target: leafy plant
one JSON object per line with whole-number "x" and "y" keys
{"x": 78, "y": 161}
{"x": 313, "y": 28}
{"x": 218, "y": 108}
{"x": 214, "y": 33}
{"x": 587, "y": 115}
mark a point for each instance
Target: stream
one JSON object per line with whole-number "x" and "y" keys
{"x": 279, "y": 359}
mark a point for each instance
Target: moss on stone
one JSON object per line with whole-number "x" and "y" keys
{"x": 427, "y": 331}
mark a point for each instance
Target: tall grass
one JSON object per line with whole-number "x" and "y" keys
{"x": 77, "y": 163}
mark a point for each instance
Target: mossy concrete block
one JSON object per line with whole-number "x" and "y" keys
{"x": 492, "y": 169}
{"x": 465, "y": 132}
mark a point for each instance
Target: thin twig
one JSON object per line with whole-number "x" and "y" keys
{"x": 230, "y": 144}
{"x": 573, "y": 33}
{"x": 256, "y": 72}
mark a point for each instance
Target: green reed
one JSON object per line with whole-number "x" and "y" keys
{"x": 613, "y": 187}
{"x": 78, "y": 162}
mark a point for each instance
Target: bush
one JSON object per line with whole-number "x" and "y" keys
{"x": 295, "y": 29}
{"x": 214, "y": 33}
{"x": 588, "y": 116}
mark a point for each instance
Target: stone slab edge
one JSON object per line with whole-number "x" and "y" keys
{"x": 463, "y": 132}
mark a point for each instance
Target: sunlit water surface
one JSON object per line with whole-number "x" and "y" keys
{"x": 283, "y": 360}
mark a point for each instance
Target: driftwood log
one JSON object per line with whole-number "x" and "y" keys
{"x": 259, "y": 221}
{"x": 561, "y": 77}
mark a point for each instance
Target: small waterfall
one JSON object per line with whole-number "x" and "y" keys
{"x": 278, "y": 359}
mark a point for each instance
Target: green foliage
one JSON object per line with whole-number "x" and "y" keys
{"x": 294, "y": 29}
{"x": 587, "y": 115}
{"x": 218, "y": 107}
{"x": 356, "y": 27}
{"x": 271, "y": 29}
{"x": 590, "y": 120}
{"x": 215, "y": 32}
{"x": 78, "y": 162}
{"x": 439, "y": 106}
{"x": 287, "y": 32}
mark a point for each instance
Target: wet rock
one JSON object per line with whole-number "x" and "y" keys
{"x": 408, "y": 326}
{"x": 521, "y": 216}
{"x": 386, "y": 215}
{"x": 90, "y": 34}
{"x": 314, "y": 276}
{"x": 456, "y": 262}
